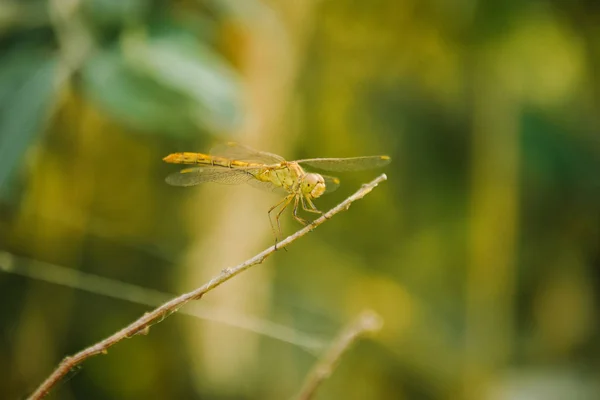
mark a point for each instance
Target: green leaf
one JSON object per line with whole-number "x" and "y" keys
{"x": 187, "y": 66}
{"x": 27, "y": 86}
{"x": 135, "y": 100}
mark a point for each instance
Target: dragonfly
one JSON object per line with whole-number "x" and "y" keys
{"x": 233, "y": 163}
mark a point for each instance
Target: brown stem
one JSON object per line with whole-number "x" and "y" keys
{"x": 367, "y": 321}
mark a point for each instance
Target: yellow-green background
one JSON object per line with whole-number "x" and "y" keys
{"x": 481, "y": 252}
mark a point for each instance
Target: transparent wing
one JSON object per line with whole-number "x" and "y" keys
{"x": 196, "y": 176}
{"x": 236, "y": 151}
{"x": 346, "y": 164}
{"x": 266, "y": 186}
{"x": 331, "y": 183}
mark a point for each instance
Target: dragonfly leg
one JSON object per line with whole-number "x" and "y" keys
{"x": 312, "y": 207}
{"x": 285, "y": 202}
{"x": 295, "y": 213}
{"x": 288, "y": 199}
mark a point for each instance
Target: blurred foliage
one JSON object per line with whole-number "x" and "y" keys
{"x": 481, "y": 251}
{"x": 26, "y": 86}
{"x": 137, "y": 70}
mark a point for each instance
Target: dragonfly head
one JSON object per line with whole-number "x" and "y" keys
{"x": 313, "y": 185}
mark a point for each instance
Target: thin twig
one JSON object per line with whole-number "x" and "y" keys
{"x": 367, "y": 321}
{"x": 142, "y": 325}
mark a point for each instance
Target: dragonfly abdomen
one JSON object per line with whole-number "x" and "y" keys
{"x": 203, "y": 159}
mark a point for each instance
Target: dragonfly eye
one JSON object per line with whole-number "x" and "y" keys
{"x": 313, "y": 185}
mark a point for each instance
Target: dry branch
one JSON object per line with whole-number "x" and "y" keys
{"x": 367, "y": 321}
{"x": 142, "y": 325}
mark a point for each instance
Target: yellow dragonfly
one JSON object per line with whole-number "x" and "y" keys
{"x": 233, "y": 163}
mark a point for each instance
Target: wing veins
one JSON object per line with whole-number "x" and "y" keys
{"x": 196, "y": 176}
{"x": 346, "y": 164}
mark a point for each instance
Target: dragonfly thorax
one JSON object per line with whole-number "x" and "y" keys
{"x": 313, "y": 185}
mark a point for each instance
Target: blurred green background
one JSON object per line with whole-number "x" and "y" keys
{"x": 481, "y": 252}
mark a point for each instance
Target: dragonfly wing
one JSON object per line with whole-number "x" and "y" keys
{"x": 331, "y": 183}
{"x": 196, "y": 176}
{"x": 266, "y": 186}
{"x": 346, "y": 164}
{"x": 236, "y": 151}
